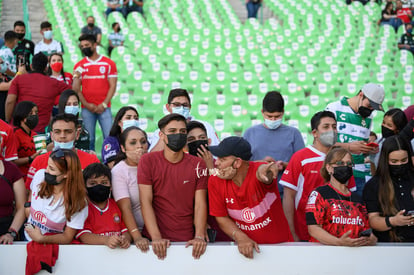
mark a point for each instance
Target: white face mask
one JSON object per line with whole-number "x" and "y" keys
{"x": 74, "y": 110}
{"x": 48, "y": 34}
{"x": 184, "y": 111}
{"x": 128, "y": 123}
{"x": 328, "y": 138}
{"x": 273, "y": 124}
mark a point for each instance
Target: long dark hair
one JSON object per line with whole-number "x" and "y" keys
{"x": 386, "y": 192}
{"x": 122, "y": 141}
{"x": 398, "y": 118}
{"x": 115, "y": 129}
{"x": 49, "y": 69}
{"x": 63, "y": 99}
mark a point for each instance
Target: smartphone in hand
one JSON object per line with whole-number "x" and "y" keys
{"x": 366, "y": 233}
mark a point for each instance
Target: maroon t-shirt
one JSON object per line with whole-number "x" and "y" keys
{"x": 12, "y": 173}
{"x": 174, "y": 186}
{"x": 40, "y": 89}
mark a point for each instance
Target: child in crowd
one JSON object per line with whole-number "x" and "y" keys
{"x": 104, "y": 224}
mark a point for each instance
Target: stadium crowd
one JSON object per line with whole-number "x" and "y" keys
{"x": 182, "y": 184}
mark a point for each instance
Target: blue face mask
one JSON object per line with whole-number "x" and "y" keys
{"x": 74, "y": 110}
{"x": 273, "y": 124}
{"x": 64, "y": 145}
{"x": 48, "y": 34}
{"x": 184, "y": 111}
{"x": 129, "y": 123}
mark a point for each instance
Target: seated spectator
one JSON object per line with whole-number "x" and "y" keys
{"x": 126, "y": 117}
{"x": 58, "y": 192}
{"x": 104, "y": 225}
{"x": 388, "y": 195}
{"x": 12, "y": 199}
{"x": 8, "y": 148}
{"x": 133, "y": 5}
{"x": 334, "y": 215}
{"x": 90, "y": 28}
{"x": 25, "y": 119}
{"x": 406, "y": 41}
{"x": 244, "y": 197}
{"x": 403, "y": 13}
{"x": 114, "y": 5}
{"x": 48, "y": 45}
{"x": 134, "y": 144}
{"x": 115, "y": 38}
{"x": 64, "y": 133}
{"x": 389, "y": 17}
{"x": 173, "y": 196}
{"x": 55, "y": 70}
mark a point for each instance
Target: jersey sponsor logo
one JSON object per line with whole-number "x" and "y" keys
{"x": 314, "y": 172}
{"x": 248, "y": 215}
{"x": 256, "y": 226}
{"x": 116, "y": 218}
{"x": 107, "y": 147}
{"x": 286, "y": 172}
{"x": 38, "y": 215}
{"x": 347, "y": 220}
{"x": 102, "y": 69}
{"x": 341, "y": 126}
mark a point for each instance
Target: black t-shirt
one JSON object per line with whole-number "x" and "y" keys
{"x": 24, "y": 52}
{"x": 404, "y": 195}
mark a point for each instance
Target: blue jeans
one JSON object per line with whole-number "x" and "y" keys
{"x": 394, "y": 22}
{"x": 109, "y": 10}
{"x": 252, "y": 9}
{"x": 359, "y": 183}
{"x": 89, "y": 121}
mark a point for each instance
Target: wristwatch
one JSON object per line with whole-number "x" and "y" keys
{"x": 13, "y": 234}
{"x": 105, "y": 105}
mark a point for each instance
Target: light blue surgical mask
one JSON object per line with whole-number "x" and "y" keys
{"x": 184, "y": 111}
{"x": 74, "y": 110}
{"x": 64, "y": 145}
{"x": 273, "y": 124}
{"x": 129, "y": 123}
{"x": 48, "y": 34}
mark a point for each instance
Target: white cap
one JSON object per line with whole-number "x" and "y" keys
{"x": 375, "y": 93}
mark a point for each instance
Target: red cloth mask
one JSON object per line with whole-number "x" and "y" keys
{"x": 57, "y": 67}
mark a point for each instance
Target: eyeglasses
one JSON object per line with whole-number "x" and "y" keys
{"x": 177, "y": 104}
{"x": 343, "y": 163}
{"x": 59, "y": 154}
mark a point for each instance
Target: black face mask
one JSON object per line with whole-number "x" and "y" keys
{"x": 118, "y": 29}
{"x": 193, "y": 146}
{"x": 20, "y": 36}
{"x": 87, "y": 51}
{"x": 386, "y": 132}
{"x": 32, "y": 121}
{"x": 176, "y": 142}
{"x": 91, "y": 25}
{"x": 51, "y": 179}
{"x": 364, "y": 111}
{"x": 342, "y": 173}
{"x": 99, "y": 193}
{"x": 399, "y": 170}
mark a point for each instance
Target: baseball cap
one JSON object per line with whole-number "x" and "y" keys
{"x": 232, "y": 146}
{"x": 375, "y": 93}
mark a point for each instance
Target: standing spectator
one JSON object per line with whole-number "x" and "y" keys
{"x": 179, "y": 103}
{"x": 55, "y": 70}
{"x": 173, "y": 193}
{"x": 24, "y": 51}
{"x": 25, "y": 118}
{"x": 64, "y": 133}
{"x": 114, "y": 5}
{"x": 334, "y": 215}
{"x": 42, "y": 94}
{"x": 389, "y": 17}
{"x": 48, "y": 45}
{"x": 133, "y": 5}
{"x": 253, "y": 7}
{"x": 244, "y": 197}
{"x": 389, "y": 194}
{"x": 354, "y": 121}
{"x": 8, "y": 149}
{"x": 115, "y": 38}
{"x": 90, "y": 28}
{"x": 288, "y": 139}
{"x": 302, "y": 174}
{"x": 406, "y": 41}
{"x": 404, "y": 14}
{"x": 134, "y": 144}
{"x": 97, "y": 75}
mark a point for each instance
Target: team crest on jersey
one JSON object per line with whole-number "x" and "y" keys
{"x": 248, "y": 215}
{"x": 107, "y": 147}
{"x": 40, "y": 217}
{"x": 102, "y": 69}
{"x": 117, "y": 219}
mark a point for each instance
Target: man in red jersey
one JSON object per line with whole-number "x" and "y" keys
{"x": 64, "y": 133}
{"x": 245, "y": 199}
{"x": 97, "y": 75}
{"x": 173, "y": 191}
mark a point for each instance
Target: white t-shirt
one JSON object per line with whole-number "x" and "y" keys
{"x": 8, "y": 58}
{"x": 48, "y": 49}
{"x": 51, "y": 218}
